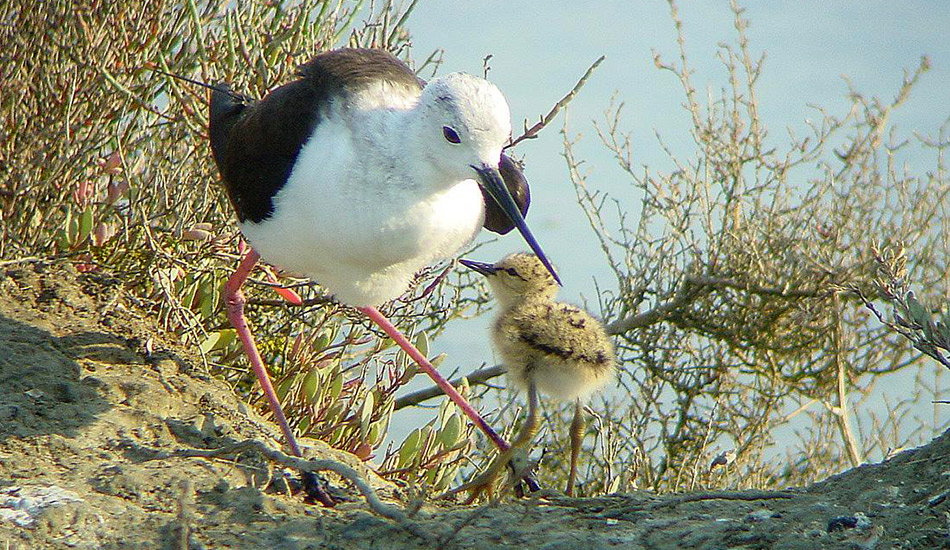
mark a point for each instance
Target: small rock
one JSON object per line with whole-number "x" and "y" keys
{"x": 23, "y": 505}
{"x": 857, "y": 521}
{"x": 761, "y": 514}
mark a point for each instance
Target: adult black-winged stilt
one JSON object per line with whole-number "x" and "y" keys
{"x": 357, "y": 175}
{"x": 548, "y": 346}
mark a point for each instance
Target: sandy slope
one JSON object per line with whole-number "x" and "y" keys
{"x": 84, "y": 406}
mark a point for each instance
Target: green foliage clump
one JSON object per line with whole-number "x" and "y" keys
{"x": 106, "y": 164}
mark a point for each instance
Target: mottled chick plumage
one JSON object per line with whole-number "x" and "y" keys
{"x": 561, "y": 348}
{"x": 547, "y": 346}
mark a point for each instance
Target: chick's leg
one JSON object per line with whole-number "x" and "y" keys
{"x": 578, "y": 427}
{"x": 484, "y": 483}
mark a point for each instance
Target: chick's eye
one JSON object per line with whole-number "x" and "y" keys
{"x": 450, "y": 135}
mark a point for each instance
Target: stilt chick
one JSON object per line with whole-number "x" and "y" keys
{"x": 547, "y": 346}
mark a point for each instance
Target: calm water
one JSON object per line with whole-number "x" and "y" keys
{"x": 539, "y": 50}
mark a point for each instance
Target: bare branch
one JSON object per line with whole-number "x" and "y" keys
{"x": 252, "y": 445}
{"x": 531, "y": 133}
{"x": 480, "y": 376}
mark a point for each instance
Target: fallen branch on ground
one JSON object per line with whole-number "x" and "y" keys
{"x": 252, "y": 445}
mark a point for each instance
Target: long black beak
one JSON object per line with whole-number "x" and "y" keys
{"x": 479, "y": 267}
{"x": 492, "y": 183}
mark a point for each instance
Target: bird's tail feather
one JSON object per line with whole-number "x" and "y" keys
{"x": 225, "y": 108}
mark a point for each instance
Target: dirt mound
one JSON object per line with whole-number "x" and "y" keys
{"x": 91, "y": 389}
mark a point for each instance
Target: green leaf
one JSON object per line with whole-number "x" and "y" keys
{"x": 72, "y": 228}
{"x": 422, "y": 344}
{"x": 336, "y": 386}
{"x": 188, "y": 297}
{"x": 310, "y": 383}
{"x": 366, "y": 413}
{"x": 451, "y": 431}
{"x": 614, "y": 486}
{"x": 321, "y": 342}
{"x": 62, "y": 239}
{"x": 410, "y": 372}
{"x": 283, "y": 388}
{"x": 374, "y": 432}
{"x": 918, "y": 312}
{"x": 228, "y": 336}
{"x": 442, "y": 481}
{"x": 425, "y": 443}
{"x": 218, "y": 340}
{"x": 85, "y": 224}
{"x": 210, "y": 342}
{"x": 409, "y": 448}
{"x": 387, "y": 414}
{"x": 206, "y": 305}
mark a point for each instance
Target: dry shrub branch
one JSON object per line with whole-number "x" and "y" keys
{"x": 741, "y": 279}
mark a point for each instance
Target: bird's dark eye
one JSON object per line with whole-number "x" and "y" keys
{"x": 450, "y": 135}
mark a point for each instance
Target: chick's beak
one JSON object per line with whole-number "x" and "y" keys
{"x": 480, "y": 267}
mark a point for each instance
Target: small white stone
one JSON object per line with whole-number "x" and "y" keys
{"x": 22, "y": 505}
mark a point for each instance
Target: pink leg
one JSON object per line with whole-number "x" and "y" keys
{"x": 439, "y": 380}
{"x": 234, "y": 297}
{"x": 444, "y": 384}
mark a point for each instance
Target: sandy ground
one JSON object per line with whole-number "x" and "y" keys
{"x": 91, "y": 391}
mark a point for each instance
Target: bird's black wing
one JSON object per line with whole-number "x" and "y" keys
{"x": 255, "y": 144}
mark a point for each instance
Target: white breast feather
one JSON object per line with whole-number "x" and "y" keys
{"x": 397, "y": 226}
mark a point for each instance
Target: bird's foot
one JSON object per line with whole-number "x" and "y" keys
{"x": 521, "y": 469}
{"x": 316, "y": 489}
{"x": 519, "y": 466}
